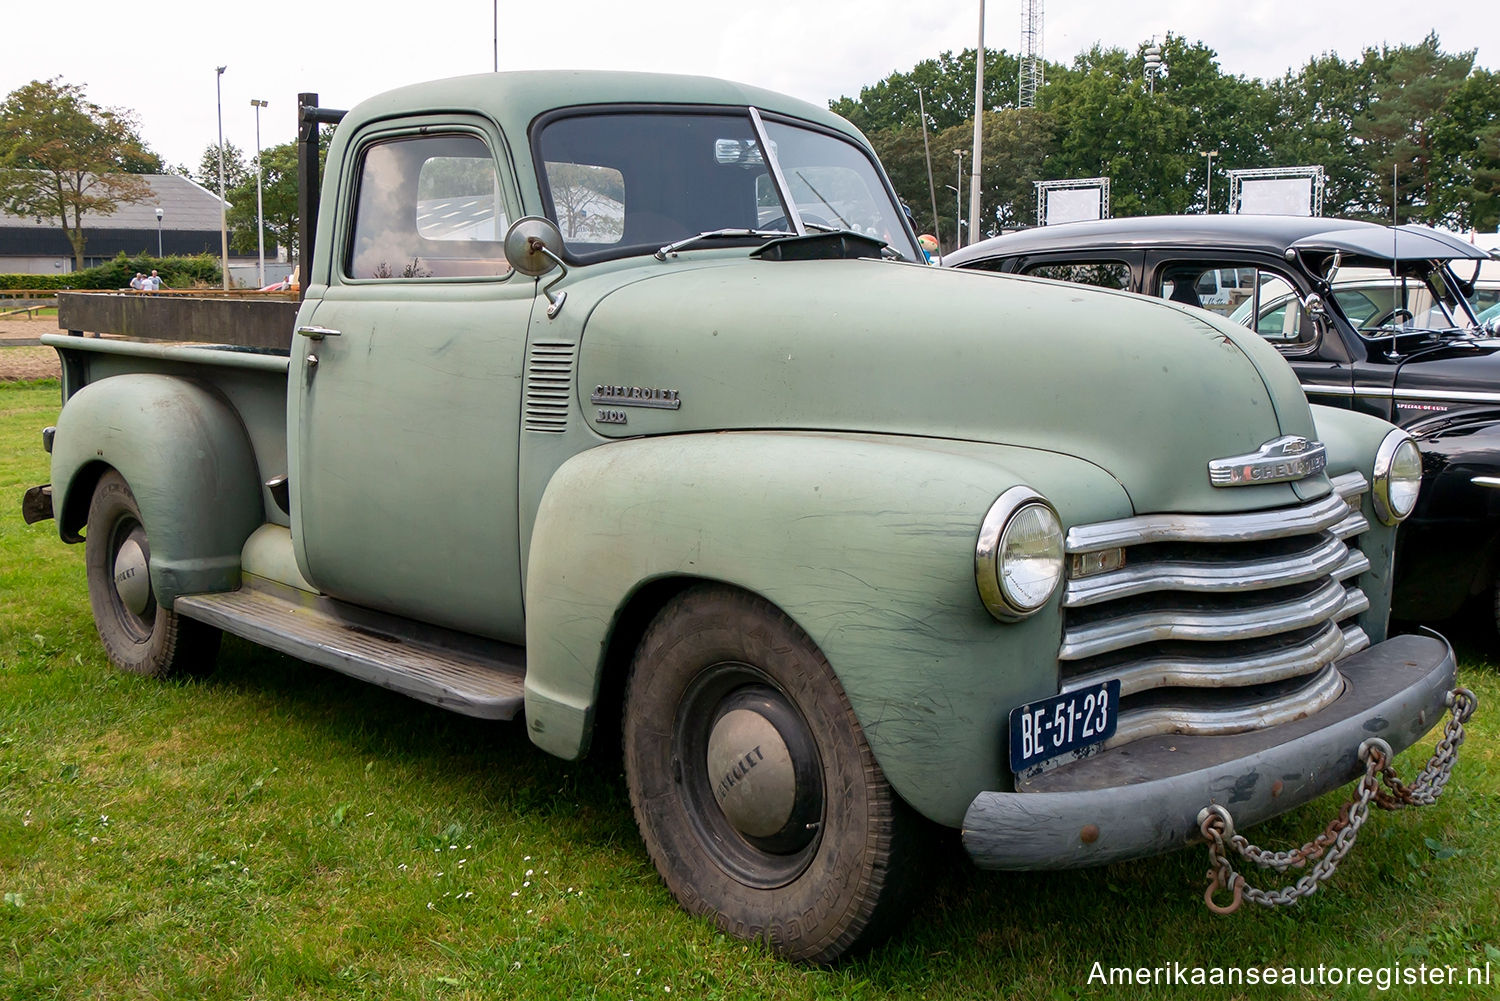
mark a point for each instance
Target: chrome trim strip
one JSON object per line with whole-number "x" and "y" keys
{"x": 1460, "y": 396}
{"x": 1327, "y": 686}
{"x": 1327, "y": 646}
{"x": 1184, "y": 624}
{"x": 1356, "y": 564}
{"x": 1485, "y": 481}
{"x": 1348, "y": 485}
{"x": 1277, "y": 523}
{"x": 1355, "y": 639}
{"x": 1355, "y": 601}
{"x": 1442, "y": 394}
{"x": 1351, "y": 526}
{"x": 1330, "y": 555}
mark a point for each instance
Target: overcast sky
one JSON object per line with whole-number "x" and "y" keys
{"x": 158, "y": 59}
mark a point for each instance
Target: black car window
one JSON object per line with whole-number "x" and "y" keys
{"x": 1274, "y": 309}
{"x": 1101, "y": 274}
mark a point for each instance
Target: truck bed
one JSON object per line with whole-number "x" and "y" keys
{"x": 253, "y": 320}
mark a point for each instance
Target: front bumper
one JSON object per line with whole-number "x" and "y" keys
{"x": 1143, "y": 798}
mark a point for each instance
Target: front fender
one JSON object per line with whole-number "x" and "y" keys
{"x": 867, "y": 542}
{"x": 1449, "y": 546}
{"x": 189, "y": 463}
{"x": 1353, "y": 439}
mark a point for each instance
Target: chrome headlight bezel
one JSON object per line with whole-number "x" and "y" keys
{"x": 1392, "y": 509}
{"x": 989, "y": 554}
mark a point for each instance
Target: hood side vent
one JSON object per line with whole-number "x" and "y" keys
{"x": 549, "y": 386}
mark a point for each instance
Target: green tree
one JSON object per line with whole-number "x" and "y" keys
{"x": 278, "y": 195}
{"x": 1466, "y": 141}
{"x": 947, "y": 84}
{"x": 237, "y": 170}
{"x": 63, "y": 157}
{"x": 1113, "y": 123}
{"x": 1397, "y": 128}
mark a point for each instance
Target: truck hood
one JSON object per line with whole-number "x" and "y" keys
{"x": 1149, "y": 391}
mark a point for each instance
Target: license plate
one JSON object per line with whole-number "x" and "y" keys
{"x": 1053, "y": 726}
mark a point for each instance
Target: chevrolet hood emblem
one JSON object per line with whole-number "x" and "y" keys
{"x": 1280, "y": 460}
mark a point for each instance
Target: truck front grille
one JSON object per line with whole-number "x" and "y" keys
{"x": 1218, "y": 623}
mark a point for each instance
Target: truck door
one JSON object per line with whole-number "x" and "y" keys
{"x": 406, "y": 392}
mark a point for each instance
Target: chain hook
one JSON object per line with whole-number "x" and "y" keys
{"x": 1237, "y": 889}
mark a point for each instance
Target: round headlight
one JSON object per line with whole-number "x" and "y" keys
{"x": 1019, "y": 559}
{"x": 1398, "y": 477}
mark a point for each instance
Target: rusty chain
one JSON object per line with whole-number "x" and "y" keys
{"x": 1328, "y": 849}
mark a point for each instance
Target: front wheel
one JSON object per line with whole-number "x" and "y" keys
{"x": 139, "y": 636}
{"x": 753, "y": 786}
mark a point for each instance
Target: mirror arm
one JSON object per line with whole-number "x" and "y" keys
{"x": 554, "y": 301}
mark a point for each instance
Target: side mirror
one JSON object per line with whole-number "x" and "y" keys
{"x": 531, "y": 246}
{"x": 1317, "y": 309}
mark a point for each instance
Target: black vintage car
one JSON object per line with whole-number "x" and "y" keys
{"x": 1371, "y": 317}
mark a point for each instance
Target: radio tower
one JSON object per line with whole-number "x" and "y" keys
{"x": 1031, "y": 52}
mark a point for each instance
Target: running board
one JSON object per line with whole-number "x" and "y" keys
{"x": 466, "y": 674}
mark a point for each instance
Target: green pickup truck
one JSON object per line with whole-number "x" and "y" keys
{"x": 622, "y": 403}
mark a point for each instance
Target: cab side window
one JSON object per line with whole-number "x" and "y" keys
{"x": 1100, "y": 274}
{"x": 428, "y": 207}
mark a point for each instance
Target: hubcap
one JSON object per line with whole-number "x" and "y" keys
{"x": 132, "y": 582}
{"x": 751, "y": 775}
{"x": 751, "y": 769}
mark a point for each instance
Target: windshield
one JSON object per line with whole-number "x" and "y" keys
{"x": 620, "y": 183}
{"x": 1378, "y": 303}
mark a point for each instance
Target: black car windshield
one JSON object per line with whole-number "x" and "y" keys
{"x": 627, "y": 182}
{"x": 1379, "y": 303}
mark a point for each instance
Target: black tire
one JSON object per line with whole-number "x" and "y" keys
{"x": 835, "y": 878}
{"x": 138, "y": 635}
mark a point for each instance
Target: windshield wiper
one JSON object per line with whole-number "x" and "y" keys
{"x": 720, "y": 234}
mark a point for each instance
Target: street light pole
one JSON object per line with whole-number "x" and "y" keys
{"x": 223, "y": 212}
{"x": 1208, "y": 197}
{"x": 260, "y": 226}
{"x": 159, "y": 214}
{"x": 937, "y": 227}
{"x": 958, "y": 202}
{"x": 974, "y": 164}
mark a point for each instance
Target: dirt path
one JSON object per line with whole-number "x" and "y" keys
{"x": 20, "y": 355}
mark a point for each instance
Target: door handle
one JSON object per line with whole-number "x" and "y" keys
{"x": 318, "y": 333}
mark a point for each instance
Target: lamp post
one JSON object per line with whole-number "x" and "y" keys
{"x": 937, "y": 227}
{"x": 260, "y": 226}
{"x": 958, "y": 202}
{"x": 223, "y": 212}
{"x": 159, "y": 214}
{"x": 1208, "y": 197}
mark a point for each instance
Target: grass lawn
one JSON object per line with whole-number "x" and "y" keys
{"x": 278, "y": 831}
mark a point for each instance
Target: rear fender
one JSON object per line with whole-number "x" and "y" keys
{"x": 867, "y": 542}
{"x": 189, "y": 463}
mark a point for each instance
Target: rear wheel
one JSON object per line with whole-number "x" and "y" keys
{"x": 754, "y": 789}
{"x": 139, "y": 635}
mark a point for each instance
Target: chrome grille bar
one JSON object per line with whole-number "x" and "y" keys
{"x": 1252, "y": 620}
{"x": 1258, "y": 668}
{"x": 1329, "y": 555}
{"x": 1325, "y": 686}
{"x": 1277, "y": 523}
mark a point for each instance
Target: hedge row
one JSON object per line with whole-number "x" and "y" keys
{"x": 175, "y": 272}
